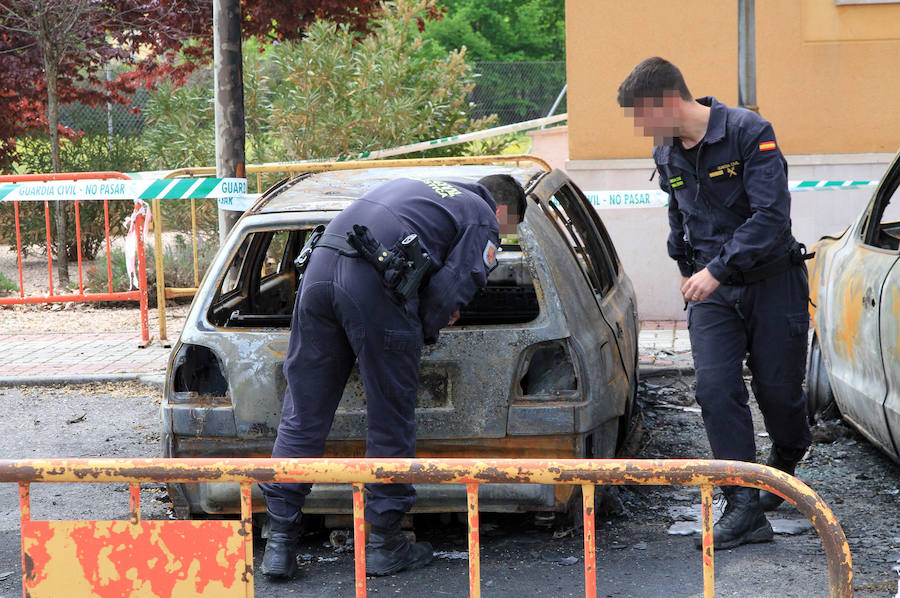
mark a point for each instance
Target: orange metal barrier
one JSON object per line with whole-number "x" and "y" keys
{"x": 139, "y": 295}
{"x": 214, "y": 558}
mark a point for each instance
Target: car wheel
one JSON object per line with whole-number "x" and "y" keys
{"x": 819, "y": 396}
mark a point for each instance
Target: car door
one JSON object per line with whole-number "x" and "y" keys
{"x": 888, "y": 234}
{"x": 568, "y": 209}
{"x": 853, "y": 306}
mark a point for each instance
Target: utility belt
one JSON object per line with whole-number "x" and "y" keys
{"x": 795, "y": 256}
{"x": 403, "y": 268}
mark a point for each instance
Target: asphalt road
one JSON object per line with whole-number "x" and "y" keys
{"x": 636, "y": 553}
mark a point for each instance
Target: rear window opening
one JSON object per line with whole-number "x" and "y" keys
{"x": 260, "y": 285}
{"x": 508, "y": 298}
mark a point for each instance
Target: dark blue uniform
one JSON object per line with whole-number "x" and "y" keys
{"x": 729, "y": 211}
{"x": 344, "y": 312}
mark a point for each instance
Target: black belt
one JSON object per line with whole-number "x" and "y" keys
{"x": 338, "y": 243}
{"x": 794, "y": 257}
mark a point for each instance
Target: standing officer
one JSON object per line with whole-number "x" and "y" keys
{"x": 381, "y": 280}
{"x": 743, "y": 278}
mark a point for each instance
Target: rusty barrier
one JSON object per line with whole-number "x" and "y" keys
{"x": 215, "y": 558}
{"x": 291, "y": 170}
{"x": 138, "y": 221}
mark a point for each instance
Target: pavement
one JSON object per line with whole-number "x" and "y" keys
{"x": 72, "y": 358}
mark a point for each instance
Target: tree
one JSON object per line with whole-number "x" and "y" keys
{"x": 336, "y": 93}
{"x": 51, "y": 52}
{"x": 69, "y": 40}
{"x": 502, "y": 30}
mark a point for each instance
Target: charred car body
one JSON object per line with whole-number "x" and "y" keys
{"x": 542, "y": 362}
{"x": 855, "y": 305}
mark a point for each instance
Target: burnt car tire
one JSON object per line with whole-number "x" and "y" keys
{"x": 819, "y": 396}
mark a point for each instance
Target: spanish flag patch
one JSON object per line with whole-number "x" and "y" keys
{"x": 766, "y": 145}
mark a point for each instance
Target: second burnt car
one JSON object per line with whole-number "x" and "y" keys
{"x": 855, "y": 306}
{"x": 542, "y": 363}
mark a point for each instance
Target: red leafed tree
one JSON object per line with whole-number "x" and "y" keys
{"x": 53, "y": 51}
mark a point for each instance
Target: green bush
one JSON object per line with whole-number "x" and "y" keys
{"x": 336, "y": 93}
{"x": 178, "y": 265}
{"x": 7, "y": 285}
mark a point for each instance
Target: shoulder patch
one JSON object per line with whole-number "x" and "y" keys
{"x": 490, "y": 256}
{"x": 766, "y": 145}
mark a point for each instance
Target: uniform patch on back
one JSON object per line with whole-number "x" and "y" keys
{"x": 442, "y": 188}
{"x": 490, "y": 256}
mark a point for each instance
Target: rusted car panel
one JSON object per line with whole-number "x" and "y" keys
{"x": 540, "y": 365}
{"x": 854, "y": 282}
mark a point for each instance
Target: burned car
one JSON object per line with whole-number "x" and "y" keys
{"x": 542, "y": 362}
{"x": 855, "y": 306}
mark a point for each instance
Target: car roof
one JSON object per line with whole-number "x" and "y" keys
{"x": 335, "y": 189}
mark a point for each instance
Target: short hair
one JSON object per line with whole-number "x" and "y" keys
{"x": 506, "y": 191}
{"x": 652, "y": 78}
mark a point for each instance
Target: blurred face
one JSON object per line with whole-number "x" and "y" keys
{"x": 656, "y": 117}
{"x": 508, "y": 222}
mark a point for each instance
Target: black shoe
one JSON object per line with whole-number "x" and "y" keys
{"x": 280, "y": 558}
{"x": 390, "y": 551}
{"x": 743, "y": 521}
{"x": 786, "y": 460}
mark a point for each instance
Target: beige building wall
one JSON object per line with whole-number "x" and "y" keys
{"x": 828, "y": 75}
{"x": 606, "y": 38}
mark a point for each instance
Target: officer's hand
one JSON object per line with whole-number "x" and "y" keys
{"x": 699, "y": 286}
{"x": 453, "y": 318}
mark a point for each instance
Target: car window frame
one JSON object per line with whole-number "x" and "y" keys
{"x": 888, "y": 189}
{"x": 250, "y": 274}
{"x": 596, "y": 256}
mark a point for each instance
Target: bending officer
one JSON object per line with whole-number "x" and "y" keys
{"x": 381, "y": 280}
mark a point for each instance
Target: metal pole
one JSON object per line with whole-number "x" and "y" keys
{"x": 747, "y": 54}
{"x": 229, "y": 97}
{"x": 562, "y": 94}
{"x": 109, "y": 119}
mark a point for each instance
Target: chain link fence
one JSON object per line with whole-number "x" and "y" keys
{"x": 517, "y": 91}
{"x": 514, "y": 91}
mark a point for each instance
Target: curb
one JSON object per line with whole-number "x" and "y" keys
{"x": 156, "y": 380}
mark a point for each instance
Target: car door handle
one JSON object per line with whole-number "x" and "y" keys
{"x": 869, "y": 299}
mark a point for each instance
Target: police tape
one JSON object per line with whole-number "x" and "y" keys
{"x": 656, "y": 198}
{"x": 231, "y": 193}
{"x": 436, "y": 143}
{"x": 109, "y": 189}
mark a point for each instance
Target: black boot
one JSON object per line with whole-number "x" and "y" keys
{"x": 390, "y": 551}
{"x": 786, "y": 460}
{"x": 280, "y": 558}
{"x": 743, "y": 521}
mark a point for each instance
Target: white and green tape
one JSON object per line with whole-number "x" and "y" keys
{"x": 655, "y": 198}
{"x": 93, "y": 190}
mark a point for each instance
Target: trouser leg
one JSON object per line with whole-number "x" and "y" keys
{"x": 778, "y": 327}
{"x": 389, "y": 352}
{"x": 719, "y": 345}
{"x": 317, "y": 366}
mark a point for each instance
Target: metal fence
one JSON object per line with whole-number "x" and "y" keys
{"x": 517, "y": 91}
{"x": 214, "y": 557}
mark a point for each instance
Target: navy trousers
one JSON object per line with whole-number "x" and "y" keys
{"x": 343, "y": 313}
{"x": 769, "y": 321}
